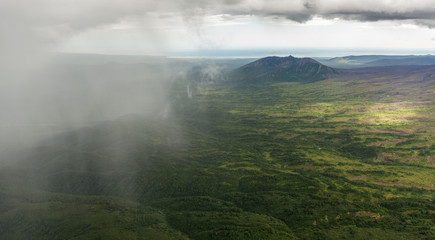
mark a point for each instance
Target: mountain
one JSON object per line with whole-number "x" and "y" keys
{"x": 282, "y": 69}
{"x": 377, "y": 61}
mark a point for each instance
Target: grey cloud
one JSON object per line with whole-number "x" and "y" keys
{"x": 63, "y": 18}
{"x": 421, "y": 12}
{"x": 232, "y": 2}
{"x": 299, "y": 17}
{"x": 426, "y": 22}
{"x": 370, "y": 16}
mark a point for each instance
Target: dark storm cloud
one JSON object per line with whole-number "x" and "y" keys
{"x": 418, "y": 17}
{"x": 54, "y": 19}
{"x": 419, "y": 12}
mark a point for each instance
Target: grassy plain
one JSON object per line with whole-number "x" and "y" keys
{"x": 351, "y": 157}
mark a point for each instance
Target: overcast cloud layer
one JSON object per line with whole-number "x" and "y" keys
{"x": 51, "y": 19}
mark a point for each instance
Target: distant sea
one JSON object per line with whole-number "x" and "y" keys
{"x": 318, "y": 53}
{"x": 298, "y": 52}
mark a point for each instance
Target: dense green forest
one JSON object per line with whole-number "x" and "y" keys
{"x": 349, "y": 157}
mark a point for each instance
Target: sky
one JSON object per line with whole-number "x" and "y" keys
{"x": 217, "y": 27}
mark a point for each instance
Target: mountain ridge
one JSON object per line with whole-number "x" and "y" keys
{"x": 282, "y": 69}
{"x": 361, "y": 61}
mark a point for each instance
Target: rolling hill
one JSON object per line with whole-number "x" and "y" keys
{"x": 378, "y": 61}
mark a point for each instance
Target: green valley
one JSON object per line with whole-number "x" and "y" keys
{"x": 346, "y": 155}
